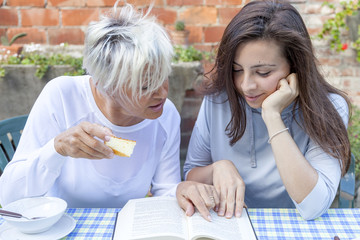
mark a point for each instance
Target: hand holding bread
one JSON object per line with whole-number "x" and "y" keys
{"x": 79, "y": 141}
{"x": 121, "y": 147}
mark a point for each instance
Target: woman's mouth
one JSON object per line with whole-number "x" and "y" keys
{"x": 157, "y": 107}
{"x": 252, "y": 98}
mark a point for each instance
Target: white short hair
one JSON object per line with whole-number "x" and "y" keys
{"x": 127, "y": 50}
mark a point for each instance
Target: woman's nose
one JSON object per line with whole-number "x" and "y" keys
{"x": 247, "y": 83}
{"x": 162, "y": 92}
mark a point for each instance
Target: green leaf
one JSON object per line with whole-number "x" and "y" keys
{"x": 17, "y": 36}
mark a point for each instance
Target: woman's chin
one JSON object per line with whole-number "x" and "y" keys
{"x": 254, "y": 104}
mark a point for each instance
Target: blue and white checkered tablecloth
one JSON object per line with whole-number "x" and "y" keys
{"x": 92, "y": 223}
{"x": 270, "y": 224}
{"x": 287, "y": 224}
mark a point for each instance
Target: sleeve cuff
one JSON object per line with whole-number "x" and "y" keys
{"x": 51, "y": 159}
{"x": 316, "y": 203}
{"x": 170, "y": 190}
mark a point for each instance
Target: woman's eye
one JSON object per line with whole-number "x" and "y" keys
{"x": 237, "y": 70}
{"x": 144, "y": 88}
{"x": 264, "y": 74}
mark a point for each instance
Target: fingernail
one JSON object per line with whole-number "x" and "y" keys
{"x": 108, "y": 131}
{"x": 221, "y": 212}
{"x": 187, "y": 212}
{"x": 228, "y": 215}
{"x": 107, "y": 138}
{"x": 238, "y": 214}
{"x": 209, "y": 218}
{"x": 111, "y": 155}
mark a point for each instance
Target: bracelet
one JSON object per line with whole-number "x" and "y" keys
{"x": 277, "y": 133}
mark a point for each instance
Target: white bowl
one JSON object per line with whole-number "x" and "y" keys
{"x": 51, "y": 208}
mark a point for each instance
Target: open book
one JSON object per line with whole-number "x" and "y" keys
{"x": 161, "y": 218}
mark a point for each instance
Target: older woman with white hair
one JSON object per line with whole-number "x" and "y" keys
{"x": 62, "y": 153}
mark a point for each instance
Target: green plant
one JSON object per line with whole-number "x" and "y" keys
{"x": 188, "y": 54}
{"x": 180, "y": 26}
{"x": 333, "y": 29}
{"x": 5, "y": 41}
{"x": 354, "y": 137}
{"x": 43, "y": 62}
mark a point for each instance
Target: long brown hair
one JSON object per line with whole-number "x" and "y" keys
{"x": 281, "y": 22}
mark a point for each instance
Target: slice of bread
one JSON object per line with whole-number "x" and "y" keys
{"x": 121, "y": 147}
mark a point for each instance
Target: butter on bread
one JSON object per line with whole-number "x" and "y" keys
{"x": 121, "y": 147}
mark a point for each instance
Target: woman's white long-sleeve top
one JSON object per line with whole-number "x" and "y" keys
{"x": 38, "y": 170}
{"x": 254, "y": 159}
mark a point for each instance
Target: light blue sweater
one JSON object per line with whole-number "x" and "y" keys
{"x": 254, "y": 159}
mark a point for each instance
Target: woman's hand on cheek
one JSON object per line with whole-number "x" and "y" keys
{"x": 287, "y": 91}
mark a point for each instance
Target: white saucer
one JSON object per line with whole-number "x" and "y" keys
{"x": 62, "y": 228}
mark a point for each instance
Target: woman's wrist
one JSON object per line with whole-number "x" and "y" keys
{"x": 270, "y": 117}
{"x": 274, "y": 123}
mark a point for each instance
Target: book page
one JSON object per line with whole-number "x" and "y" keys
{"x": 221, "y": 227}
{"x": 151, "y": 218}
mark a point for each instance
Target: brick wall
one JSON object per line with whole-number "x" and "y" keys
{"x": 52, "y": 22}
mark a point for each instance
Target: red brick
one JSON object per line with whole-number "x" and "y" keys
{"x": 213, "y": 34}
{"x": 227, "y": 14}
{"x": 334, "y": 72}
{"x": 44, "y": 17}
{"x": 196, "y": 34}
{"x": 187, "y": 124}
{"x": 145, "y": 2}
{"x": 351, "y": 61}
{"x": 164, "y": 16}
{"x": 206, "y": 46}
{"x": 34, "y": 35}
{"x": 199, "y": 15}
{"x": 66, "y": 3}
{"x": 31, "y": 3}
{"x": 213, "y": 2}
{"x": 329, "y": 61}
{"x": 78, "y": 17}
{"x": 314, "y": 30}
{"x": 202, "y": 47}
{"x": 2, "y": 32}
{"x": 313, "y": 9}
{"x": 190, "y": 109}
{"x": 348, "y": 72}
{"x": 232, "y": 2}
{"x": 185, "y": 138}
{"x": 105, "y": 11}
{"x": 184, "y": 2}
{"x": 324, "y": 51}
{"x": 66, "y": 35}
{"x": 191, "y": 95}
{"x": 346, "y": 83}
{"x": 319, "y": 1}
{"x": 101, "y": 3}
{"x": 8, "y": 17}
{"x": 208, "y": 66}
{"x": 357, "y": 72}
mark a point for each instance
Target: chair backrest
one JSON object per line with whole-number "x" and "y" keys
{"x": 10, "y": 133}
{"x": 347, "y": 187}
